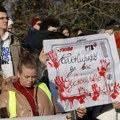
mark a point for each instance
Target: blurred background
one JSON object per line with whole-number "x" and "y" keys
{"x": 90, "y": 15}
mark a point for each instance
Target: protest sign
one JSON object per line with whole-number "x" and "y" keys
{"x": 83, "y": 71}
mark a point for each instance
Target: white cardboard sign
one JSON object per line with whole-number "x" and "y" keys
{"x": 83, "y": 71}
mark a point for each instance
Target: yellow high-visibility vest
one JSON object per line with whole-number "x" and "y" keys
{"x": 12, "y": 99}
{"x": 12, "y": 104}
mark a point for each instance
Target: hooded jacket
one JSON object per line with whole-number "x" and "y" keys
{"x": 23, "y": 108}
{"x": 14, "y": 49}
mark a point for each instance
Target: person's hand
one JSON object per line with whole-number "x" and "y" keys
{"x": 11, "y": 78}
{"x": 116, "y": 105}
{"x": 110, "y": 31}
{"x": 81, "y": 112}
{"x": 69, "y": 116}
{"x": 43, "y": 57}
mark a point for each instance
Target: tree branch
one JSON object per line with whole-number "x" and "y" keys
{"x": 70, "y": 11}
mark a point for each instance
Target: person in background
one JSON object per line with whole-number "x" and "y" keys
{"x": 10, "y": 48}
{"x": 3, "y": 27}
{"x": 38, "y": 44}
{"x": 10, "y": 25}
{"x": 36, "y": 23}
{"x": 3, "y": 20}
{"x": 76, "y": 32}
{"x": 28, "y": 40}
{"x": 112, "y": 26}
{"x": 64, "y": 29}
{"x": 42, "y": 75}
{"x": 50, "y": 24}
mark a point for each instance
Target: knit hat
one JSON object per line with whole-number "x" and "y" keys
{"x": 34, "y": 21}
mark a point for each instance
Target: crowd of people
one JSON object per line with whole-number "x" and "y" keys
{"x": 25, "y": 89}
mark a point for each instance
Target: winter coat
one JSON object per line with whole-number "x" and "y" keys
{"x": 15, "y": 51}
{"x": 23, "y": 109}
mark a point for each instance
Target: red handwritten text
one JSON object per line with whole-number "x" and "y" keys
{"x": 65, "y": 49}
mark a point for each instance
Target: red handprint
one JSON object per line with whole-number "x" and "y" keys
{"x": 83, "y": 94}
{"x": 115, "y": 92}
{"x": 82, "y": 99}
{"x": 96, "y": 92}
{"x": 103, "y": 68}
{"x": 117, "y": 39}
{"x": 60, "y": 82}
{"x": 54, "y": 58}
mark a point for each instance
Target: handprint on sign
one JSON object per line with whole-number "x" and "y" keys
{"x": 82, "y": 98}
{"x": 103, "y": 67}
{"x": 83, "y": 94}
{"x": 96, "y": 92}
{"x": 60, "y": 82}
{"x": 115, "y": 92}
{"x": 54, "y": 58}
{"x": 117, "y": 39}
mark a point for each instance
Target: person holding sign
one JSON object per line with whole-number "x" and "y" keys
{"x": 21, "y": 97}
{"x": 80, "y": 111}
{"x": 42, "y": 74}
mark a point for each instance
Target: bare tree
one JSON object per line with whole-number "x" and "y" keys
{"x": 84, "y": 14}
